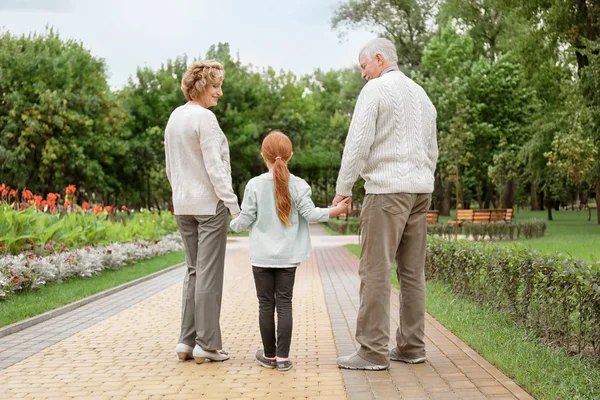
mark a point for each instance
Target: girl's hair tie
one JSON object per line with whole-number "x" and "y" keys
{"x": 278, "y": 158}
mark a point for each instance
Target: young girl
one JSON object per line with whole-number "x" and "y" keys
{"x": 277, "y": 208}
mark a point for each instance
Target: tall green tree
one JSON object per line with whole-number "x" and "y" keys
{"x": 149, "y": 98}
{"x": 407, "y": 23}
{"x": 59, "y": 122}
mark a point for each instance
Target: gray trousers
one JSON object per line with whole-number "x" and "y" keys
{"x": 204, "y": 239}
{"x": 393, "y": 228}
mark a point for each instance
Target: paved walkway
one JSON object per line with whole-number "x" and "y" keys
{"x": 122, "y": 346}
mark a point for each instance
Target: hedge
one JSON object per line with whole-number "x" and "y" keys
{"x": 556, "y": 296}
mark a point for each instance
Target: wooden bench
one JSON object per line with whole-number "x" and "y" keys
{"x": 482, "y": 216}
{"x": 497, "y": 215}
{"x": 433, "y": 216}
{"x": 462, "y": 216}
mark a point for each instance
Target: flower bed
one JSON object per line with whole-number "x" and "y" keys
{"x": 28, "y": 270}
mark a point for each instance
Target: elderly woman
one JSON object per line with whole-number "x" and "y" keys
{"x": 197, "y": 163}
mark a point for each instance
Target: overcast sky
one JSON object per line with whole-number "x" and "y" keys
{"x": 292, "y": 35}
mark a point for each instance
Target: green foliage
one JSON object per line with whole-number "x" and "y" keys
{"x": 556, "y": 296}
{"x": 546, "y": 373}
{"x": 344, "y": 227}
{"x": 59, "y": 122}
{"x": 407, "y": 23}
{"x": 33, "y": 230}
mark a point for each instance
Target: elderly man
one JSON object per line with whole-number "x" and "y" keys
{"x": 392, "y": 145}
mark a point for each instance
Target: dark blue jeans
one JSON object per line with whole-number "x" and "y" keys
{"x": 275, "y": 289}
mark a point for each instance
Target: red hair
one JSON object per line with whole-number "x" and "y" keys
{"x": 277, "y": 151}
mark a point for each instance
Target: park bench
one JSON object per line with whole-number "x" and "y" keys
{"x": 433, "y": 216}
{"x": 482, "y": 216}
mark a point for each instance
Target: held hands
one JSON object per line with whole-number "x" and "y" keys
{"x": 340, "y": 206}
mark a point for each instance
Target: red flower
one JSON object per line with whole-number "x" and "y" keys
{"x": 26, "y": 194}
{"x": 71, "y": 189}
{"x": 16, "y": 279}
{"x": 108, "y": 209}
{"x": 13, "y": 193}
{"x": 109, "y": 251}
{"x": 85, "y": 205}
{"x": 31, "y": 256}
{"x": 124, "y": 208}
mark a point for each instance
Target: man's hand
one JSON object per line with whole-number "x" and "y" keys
{"x": 235, "y": 216}
{"x": 339, "y": 197}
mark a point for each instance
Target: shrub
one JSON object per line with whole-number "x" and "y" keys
{"x": 556, "y": 296}
{"x": 491, "y": 231}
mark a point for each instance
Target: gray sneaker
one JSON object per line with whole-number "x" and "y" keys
{"x": 265, "y": 362}
{"x": 354, "y": 361}
{"x": 395, "y": 356}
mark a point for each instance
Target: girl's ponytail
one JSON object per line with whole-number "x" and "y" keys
{"x": 277, "y": 151}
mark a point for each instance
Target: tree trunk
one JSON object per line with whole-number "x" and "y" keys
{"x": 445, "y": 204}
{"x": 488, "y": 197}
{"x": 535, "y": 202}
{"x": 549, "y": 204}
{"x": 508, "y": 199}
{"x": 148, "y": 191}
{"x": 438, "y": 192}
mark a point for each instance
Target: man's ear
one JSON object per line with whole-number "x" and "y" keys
{"x": 380, "y": 59}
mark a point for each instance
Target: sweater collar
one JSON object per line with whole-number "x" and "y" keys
{"x": 389, "y": 69}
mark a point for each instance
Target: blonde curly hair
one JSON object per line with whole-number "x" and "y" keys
{"x": 199, "y": 75}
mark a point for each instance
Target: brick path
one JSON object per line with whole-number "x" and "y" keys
{"x": 123, "y": 346}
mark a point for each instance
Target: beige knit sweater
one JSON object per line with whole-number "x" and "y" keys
{"x": 197, "y": 162}
{"x": 392, "y": 139}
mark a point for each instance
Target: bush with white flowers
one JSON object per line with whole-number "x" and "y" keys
{"x": 30, "y": 271}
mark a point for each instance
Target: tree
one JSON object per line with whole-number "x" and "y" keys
{"x": 59, "y": 122}
{"x": 407, "y": 23}
{"x": 149, "y": 98}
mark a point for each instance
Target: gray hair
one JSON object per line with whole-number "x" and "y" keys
{"x": 382, "y": 46}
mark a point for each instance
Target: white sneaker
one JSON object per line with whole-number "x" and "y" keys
{"x": 184, "y": 352}
{"x": 200, "y": 355}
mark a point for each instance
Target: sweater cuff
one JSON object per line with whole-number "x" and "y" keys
{"x": 343, "y": 190}
{"x": 233, "y": 208}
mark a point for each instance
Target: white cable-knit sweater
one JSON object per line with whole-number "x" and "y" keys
{"x": 197, "y": 162}
{"x": 392, "y": 139}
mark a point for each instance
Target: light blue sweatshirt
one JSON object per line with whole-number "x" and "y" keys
{"x": 271, "y": 242}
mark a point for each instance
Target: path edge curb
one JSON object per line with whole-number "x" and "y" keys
{"x": 29, "y": 322}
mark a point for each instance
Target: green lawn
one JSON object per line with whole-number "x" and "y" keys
{"x": 544, "y": 372}
{"x": 569, "y": 232}
{"x": 29, "y": 303}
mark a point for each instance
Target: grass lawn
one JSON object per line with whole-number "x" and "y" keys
{"x": 569, "y": 232}
{"x": 329, "y": 230}
{"x": 546, "y": 373}
{"x": 28, "y": 303}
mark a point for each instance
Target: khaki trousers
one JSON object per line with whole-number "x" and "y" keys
{"x": 393, "y": 227}
{"x": 204, "y": 239}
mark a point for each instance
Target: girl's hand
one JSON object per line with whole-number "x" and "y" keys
{"x": 342, "y": 207}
